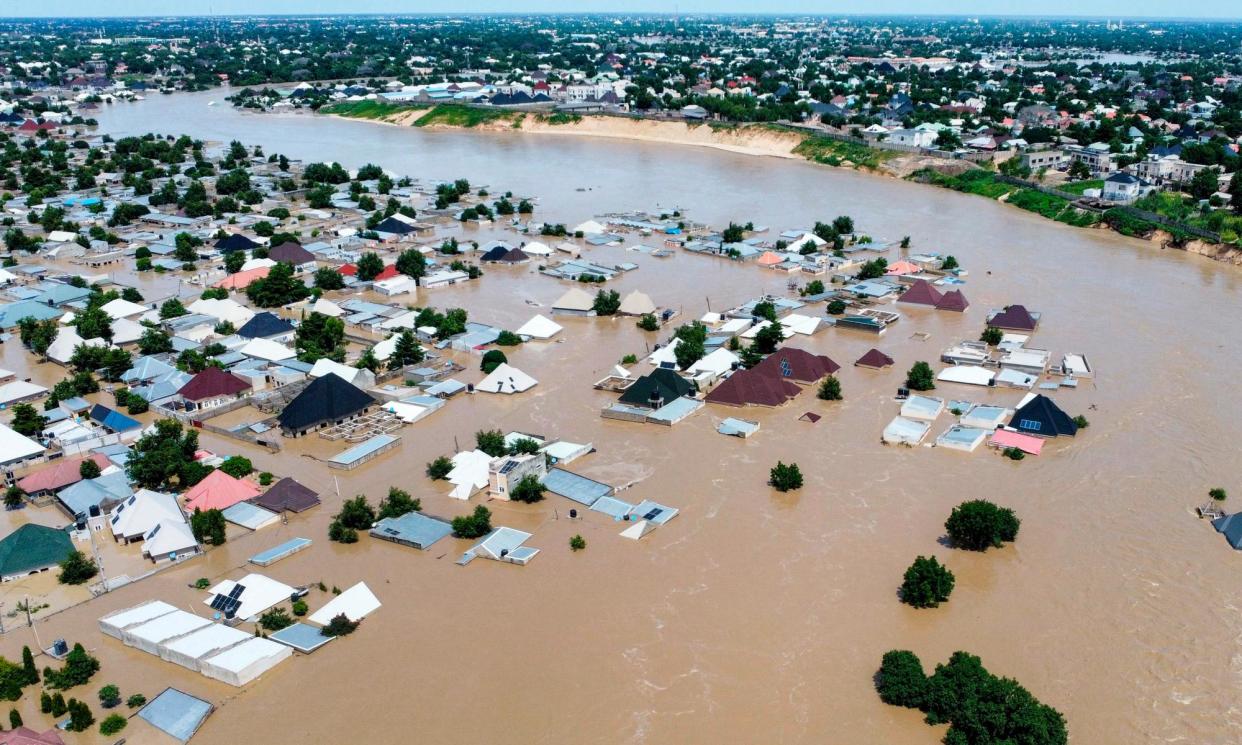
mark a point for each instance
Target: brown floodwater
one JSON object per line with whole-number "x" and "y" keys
{"x": 756, "y": 616}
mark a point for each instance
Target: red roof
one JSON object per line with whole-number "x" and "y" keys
{"x": 1014, "y": 318}
{"x": 796, "y": 364}
{"x": 921, "y": 293}
{"x": 390, "y": 271}
{"x": 750, "y": 387}
{"x": 219, "y": 491}
{"x": 953, "y": 300}
{"x": 59, "y": 474}
{"x": 874, "y": 359}
{"x": 211, "y": 383}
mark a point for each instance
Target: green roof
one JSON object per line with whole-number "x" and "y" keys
{"x": 33, "y": 547}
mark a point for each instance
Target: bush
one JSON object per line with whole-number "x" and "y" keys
{"x": 991, "y": 336}
{"x": 300, "y": 608}
{"x": 1218, "y": 494}
{"x": 920, "y": 377}
{"x": 135, "y": 700}
{"x": 491, "y": 441}
{"x": 1081, "y": 422}
{"x": 341, "y": 534}
{"x": 836, "y": 307}
{"x": 474, "y": 525}
{"x": 112, "y": 725}
{"x": 528, "y": 490}
{"x": 15, "y": 718}
{"x": 901, "y": 680}
{"x": 492, "y": 359}
{"x": 927, "y": 583}
{"x": 109, "y": 696}
{"x": 508, "y": 339}
{"x": 237, "y": 466}
{"x": 1013, "y": 453}
{"x": 275, "y": 619}
{"x": 979, "y": 525}
{"x": 577, "y": 543}
{"x": 648, "y": 322}
{"x": 77, "y": 670}
{"x": 830, "y": 389}
{"x": 76, "y": 569}
{"x": 439, "y": 468}
{"x": 340, "y": 625}
{"x": 265, "y": 478}
{"x": 785, "y": 477}
{"x": 80, "y": 716}
{"x": 89, "y": 469}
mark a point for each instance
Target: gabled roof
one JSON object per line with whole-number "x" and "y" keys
{"x": 113, "y": 420}
{"x": 327, "y": 398}
{"x": 1041, "y": 417}
{"x": 393, "y": 225}
{"x": 750, "y": 387}
{"x": 874, "y": 359}
{"x": 575, "y": 299}
{"x": 264, "y": 325}
{"x": 662, "y": 383}
{"x": 218, "y": 491}
{"x": 33, "y": 547}
{"x": 213, "y": 382}
{"x": 59, "y": 474}
{"x": 287, "y": 494}
{"x": 796, "y": 364}
{"x": 1231, "y": 527}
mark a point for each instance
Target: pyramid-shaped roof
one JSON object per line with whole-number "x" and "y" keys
{"x": 953, "y": 300}
{"x": 1014, "y": 318}
{"x": 921, "y": 293}
{"x": 218, "y": 491}
{"x": 749, "y": 387}
{"x": 264, "y": 325}
{"x": 874, "y": 358}
{"x": 790, "y": 363}
{"x": 575, "y": 299}
{"x": 235, "y": 242}
{"x": 1042, "y": 417}
{"x": 327, "y": 398}
{"x": 32, "y": 547}
{"x": 211, "y": 383}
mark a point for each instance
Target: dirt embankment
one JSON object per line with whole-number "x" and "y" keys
{"x": 1217, "y": 251}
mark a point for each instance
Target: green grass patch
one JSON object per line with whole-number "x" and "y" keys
{"x": 1078, "y": 187}
{"x": 835, "y": 152}
{"x": 985, "y": 184}
{"x": 457, "y": 115}
{"x": 560, "y": 117}
{"x": 374, "y": 110}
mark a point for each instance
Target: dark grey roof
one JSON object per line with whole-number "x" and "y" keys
{"x": 264, "y": 325}
{"x": 326, "y": 399}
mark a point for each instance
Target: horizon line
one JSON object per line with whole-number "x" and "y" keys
{"x": 634, "y": 14}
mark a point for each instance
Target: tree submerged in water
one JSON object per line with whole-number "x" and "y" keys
{"x": 927, "y": 583}
{"x": 978, "y": 525}
{"x": 785, "y": 477}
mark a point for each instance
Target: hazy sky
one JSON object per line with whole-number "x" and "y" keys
{"x": 1112, "y": 8}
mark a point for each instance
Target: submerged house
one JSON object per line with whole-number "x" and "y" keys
{"x": 657, "y": 388}
{"x": 327, "y": 400}
{"x": 1043, "y": 418}
{"x": 287, "y": 494}
{"x": 797, "y": 365}
{"x": 753, "y": 388}
{"x": 32, "y": 549}
{"x": 211, "y": 388}
{"x": 874, "y": 359}
{"x": 923, "y": 293}
{"x": 1014, "y": 318}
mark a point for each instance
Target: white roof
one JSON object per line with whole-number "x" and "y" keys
{"x": 168, "y": 536}
{"x": 257, "y": 264}
{"x": 903, "y": 430}
{"x": 967, "y": 374}
{"x": 800, "y": 240}
{"x": 126, "y": 330}
{"x": 167, "y": 626}
{"x": 664, "y": 354}
{"x": 406, "y": 412}
{"x": 266, "y": 349}
{"x": 133, "y": 616}
{"x": 260, "y": 594}
{"x": 142, "y": 511}
{"x": 324, "y": 366}
{"x": 719, "y": 361}
{"x": 469, "y": 473}
{"x": 61, "y": 350}
{"x": 800, "y": 324}
{"x": 753, "y": 331}
{"x": 575, "y": 298}
{"x": 15, "y": 447}
{"x": 535, "y": 248}
{"x": 637, "y": 303}
{"x": 222, "y": 310}
{"x": 206, "y": 640}
{"x": 122, "y": 308}
{"x": 710, "y": 318}
{"x": 588, "y": 227}
{"x": 396, "y": 285}
{"x": 327, "y": 307}
{"x": 540, "y": 327}
{"x": 356, "y": 603}
{"x": 734, "y": 326}
{"x": 402, "y": 321}
{"x": 18, "y": 390}
{"x": 506, "y": 379}
{"x": 384, "y": 349}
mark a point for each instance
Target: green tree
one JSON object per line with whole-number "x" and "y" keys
{"x": 1079, "y": 171}
{"x": 577, "y": 543}
{"x": 978, "y": 525}
{"x": 76, "y": 569}
{"x": 320, "y": 336}
{"x": 160, "y": 457}
{"x": 490, "y": 441}
{"x": 276, "y": 619}
{"x": 412, "y": 263}
{"x": 492, "y": 359}
{"x": 78, "y": 669}
{"x": 648, "y": 322}
{"x": 691, "y": 340}
{"x": 234, "y": 261}
{"x": 406, "y": 352}
{"x": 278, "y": 288}
{"x": 237, "y": 466}
{"x": 80, "y": 716}
{"x": 356, "y": 513}
{"x": 368, "y": 361}
{"x": 607, "y": 303}
{"x": 439, "y": 468}
{"x": 830, "y": 389}
{"x": 135, "y": 700}
{"x": 901, "y": 680}
{"x": 369, "y": 266}
{"x": 873, "y": 269}
{"x": 208, "y": 526}
{"x": 769, "y": 338}
{"x": 29, "y": 670}
{"x": 475, "y": 525}
{"x": 523, "y": 446}
{"x": 172, "y": 308}
{"x": 528, "y": 490}
{"x": 339, "y": 625}
{"x": 27, "y": 421}
{"x": 920, "y": 377}
{"x": 328, "y": 278}
{"x": 991, "y": 336}
{"x": 508, "y": 339}
{"x": 1203, "y": 183}
{"x": 784, "y": 477}
{"x": 110, "y": 696}
{"x": 154, "y": 341}
{"x": 15, "y": 718}
{"x": 927, "y": 583}
{"x": 112, "y": 724}
{"x": 398, "y": 503}
{"x": 89, "y": 469}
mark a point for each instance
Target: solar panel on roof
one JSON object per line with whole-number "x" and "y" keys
{"x": 217, "y": 602}
{"x": 653, "y": 514}
{"x": 237, "y": 591}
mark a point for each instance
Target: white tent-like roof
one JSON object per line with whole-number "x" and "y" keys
{"x": 266, "y": 349}
{"x": 328, "y": 308}
{"x": 126, "y": 331}
{"x": 143, "y": 511}
{"x": 966, "y": 374}
{"x": 148, "y": 636}
{"x": 189, "y": 650}
{"x": 122, "y": 308}
{"x": 114, "y": 624}
{"x": 61, "y": 350}
{"x": 246, "y": 661}
{"x": 222, "y": 310}
{"x": 753, "y": 331}
{"x": 469, "y": 473}
{"x": 574, "y": 298}
{"x": 665, "y": 354}
{"x": 589, "y": 227}
{"x": 506, "y": 379}
{"x": 535, "y": 248}
{"x": 257, "y": 264}
{"x": 636, "y": 304}
{"x": 384, "y": 349}
{"x": 717, "y": 363}
{"x": 258, "y": 593}
{"x": 356, "y": 603}
{"x": 167, "y": 537}
{"x": 540, "y": 327}
{"x": 801, "y": 324}
{"x": 357, "y": 376}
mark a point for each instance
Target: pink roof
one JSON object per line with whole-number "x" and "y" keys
{"x": 1026, "y": 443}
{"x": 903, "y": 267}
{"x": 769, "y": 259}
{"x": 219, "y": 491}
{"x": 59, "y": 474}
{"x": 242, "y": 280}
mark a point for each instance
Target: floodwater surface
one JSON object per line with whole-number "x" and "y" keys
{"x": 756, "y": 616}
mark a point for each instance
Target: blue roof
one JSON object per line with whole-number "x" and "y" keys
{"x": 572, "y": 486}
{"x": 79, "y": 497}
{"x": 113, "y": 420}
{"x": 11, "y": 313}
{"x": 146, "y": 368}
{"x": 614, "y": 508}
{"x": 247, "y": 515}
{"x": 302, "y": 637}
{"x": 412, "y": 528}
{"x": 175, "y": 713}
{"x": 276, "y": 553}
{"x": 364, "y": 449}
{"x": 55, "y": 293}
